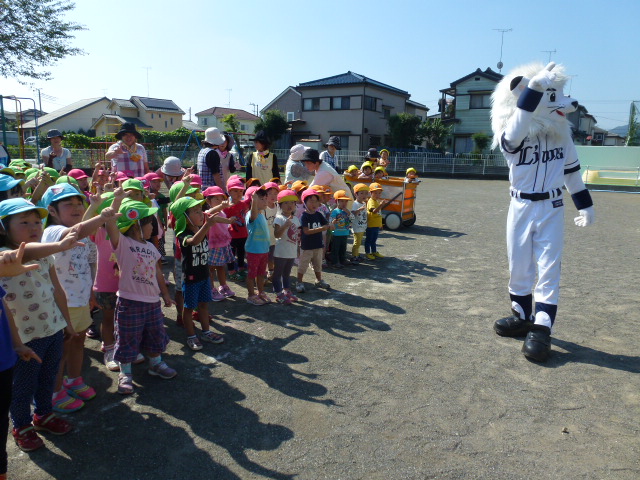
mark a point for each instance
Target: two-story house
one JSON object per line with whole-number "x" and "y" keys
{"x": 145, "y": 113}
{"x": 466, "y": 105}
{"x": 212, "y": 117}
{"x": 354, "y": 107}
{"x": 582, "y": 125}
{"x": 76, "y": 116}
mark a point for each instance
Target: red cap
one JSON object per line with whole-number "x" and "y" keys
{"x": 77, "y": 173}
{"x": 213, "y": 191}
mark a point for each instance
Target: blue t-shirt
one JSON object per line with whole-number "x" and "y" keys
{"x": 7, "y": 355}
{"x": 311, "y": 220}
{"x": 343, "y": 222}
{"x": 259, "y": 239}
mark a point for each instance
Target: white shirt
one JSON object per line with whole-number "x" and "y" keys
{"x": 287, "y": 244}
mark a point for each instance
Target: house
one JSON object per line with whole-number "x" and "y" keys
{"x": 582, "y": 125}
{"x": 145, "y": 113}
{"x": 77, "y": 116}
{"x": 466, "y": 105}
{"x": 349, "y": 105}
{"x": 212, "y": 117}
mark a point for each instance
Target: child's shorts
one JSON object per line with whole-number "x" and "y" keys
{"x": 106, "y": 300}
{"x": 195, "y": 293}
{"x": 257, "y": 263}
{"x": 139, "y": 328}
{"x": 178, "y": 276}
{"x": 80, "y": 318}
{"x": 220, "y": 256}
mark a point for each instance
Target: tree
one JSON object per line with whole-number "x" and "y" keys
{"x": 405, "y": 130}
{"x": 482, "y": 141}
{"x": 634, "y": 130}
{"x": 435, "y": 133}
{"x": 34, "y": 36}
{"x": 274, "y": 123}
{"x": 231, "y": 122}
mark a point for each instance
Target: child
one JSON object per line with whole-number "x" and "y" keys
{"x": 139, "y": 318}
{"x": 257, "y": 245}
{"x": 37, "y": 299}
{"x": 220, "y": 253}
{"x": 341, "y": 220}
{"x": 270, "y": 213}
{"x": 367, "y": 172}
{"x": 276, "y": 180}
{"x": 351, "y": 174}
{"x": 10, "y": 187}
{"x": 374, "y": 222}
{"x": 312, "y": 223}
{"x": 379, "y": 174}
{"x": 66, "y": 209}
{"x": 411, "y": 176}
{"x": 162, "y": 201}
{"x": 238, "y": 229}
{"x": 82, "y": 179}
{"x": 287, "y": 232}
{"x": 359, "y": 225}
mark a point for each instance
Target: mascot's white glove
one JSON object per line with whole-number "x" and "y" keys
{"x": 585, "y": 217}
{"x": 543, "y": 79}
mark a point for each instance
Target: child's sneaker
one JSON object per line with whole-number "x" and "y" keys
{"x": 378, "y": 255}
{"x": 93, "y": 331}
{"x": 125, "y": 384}
{"x": 321, "y": 284}
{"x": 27, "y": 439}
{"x": 194, "y": 344}
{"x": 265, "y": 297}
{"x": 216, "y": 296}
{"x": 109, "y": 360}
{"x": 226, "y": 291}
{"x": 300, "y": 287}
{"x": 255, "y": 300}
{"x": 79, "y": 389}
{"x": 291, "y": 296}
{"x": 370, "y": 256}
{"x": 283, "y": 298}
{"x": 235, "y": 277}
{"x": 139, "y": 359}
{"x": 211, "y": 337}
{"x": 62, "y": 402}
{"x": 52, "y": 424}
{"x": 162, "y": 370}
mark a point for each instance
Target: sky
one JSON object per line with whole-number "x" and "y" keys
{"x": 202, "y": 54}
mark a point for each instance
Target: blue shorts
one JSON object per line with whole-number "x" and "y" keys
{"x": 195, "y": 293}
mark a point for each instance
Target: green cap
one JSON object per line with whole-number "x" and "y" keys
{"x": 179, "y": 210}
{"x": 53, "y": 173}
{"x": 107, "y": 200}
{"x": 68, "y": 179}
{"x": 133, "y": 211}
{"x": 29, "y": 171}
{"x": 175, "y": 189}
{"x": 133, "y": 184}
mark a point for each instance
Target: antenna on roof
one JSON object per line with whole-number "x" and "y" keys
{"x": 502, "y": 31}
{"x": 229, "y": 92}
{"x": 549, "y": 52}
{"x": 147, "y": 69}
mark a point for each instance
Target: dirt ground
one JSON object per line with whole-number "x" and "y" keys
{"x": 395, "y": 373}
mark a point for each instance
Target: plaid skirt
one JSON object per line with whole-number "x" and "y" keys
{"x": 220, "y": 256}
{"x": 139, "y": 329}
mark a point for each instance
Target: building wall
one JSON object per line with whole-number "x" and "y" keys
{"x": 289, "y": 103}
{"x": 161, "y": 121}
{"x": 82, "y": 118}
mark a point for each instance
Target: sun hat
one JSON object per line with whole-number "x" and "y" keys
{"x": 365, "y": 165}
{"x": 214, "y": 136}
{"x": 235, "y": 177}
{"x": 361, "y": 187}
{"x": 262, "y": 137}
{"x": 299, "y": 185}
{"x": 282, "y": 187}
{"x": 335, "y": 141}
{"x": 380, "y": 169}
{"x": 68, "y": 179}
{"x": 375, "y": 186}
{"x": 287, "y": 196}
{"x": 319, "y": 188}
{"x": 121, "y": 177}
{"x": 411, "y": 170}
{"x": 13, "y": 206}
{"x": 19, "y": 162}
{"x": 385, "y": 150}
{"x": 341, "y": 195}
{"x": 213, "y": 192}
{"x": 196, "y": 180}
{"x": 128, "y": 127}
{"x": 54, "y": 133}
{"x": 179, "y": 210}
{"x": 77, "y": 173}
{"x": 175, "y": 189}
{"x": 107, "y": 200}
{"x": 53, "y": 173}
{"x": 296, "y": 152}
{"x": 7, "y": 182}
{"x": 131, "y": 212}
{"x": 132, "y": 184}
{"x": 276, "y": 180}
{"x": 309, "y": 193}
{"x": 29, "y": 171}
{"x": 270, "y": 185}
{"x": 352, "y": 168}
{"x": 311, "y": 155}
{"x": 372, "y": 153}
{"x": 235, "y": 185}
{"x": 251, "y": 190}
{"x": 252, "y": 182}
{"x": 172, "y": 167}
{"x": 59, "y": 192}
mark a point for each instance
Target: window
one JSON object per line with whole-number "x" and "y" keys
{"x": 243, "y": 127}
{"x": 205, "y": 120}
{"x": 311, "y": 104}
{"x": 370, "y": 103}
{"x": 340, "y": 103}
{"x": 159, "y": 115}
{"x": 291, "y": 116}
{"x": 171, "y": 120}
{"x": 386, "y": 112}
{"x": 152, "y": 115}
{"x": 481, "y": 100}
{"x": 374, "y": 140}
{"x": 344, "y": 142}
{"x": 165, "y": 124}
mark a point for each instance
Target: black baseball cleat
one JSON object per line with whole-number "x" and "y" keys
{"x": 537, "y": 345}
{"x": 512, "y": 326}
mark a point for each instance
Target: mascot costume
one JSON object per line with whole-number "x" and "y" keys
{"x": 530, "y": 127}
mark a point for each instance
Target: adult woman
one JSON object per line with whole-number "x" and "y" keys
{"x": 324, "y": 173}
{"x": 55, "y": 156}
{"x": 127, "y": 154}
{"x": 262, "y": 164}
{"x": 295, "y": 169}
{"x": 215, "y": 161}
{"x": 329, "y": 155}
{"x": 171, "y": 171}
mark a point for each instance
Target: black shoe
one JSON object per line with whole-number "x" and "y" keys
{"x": 512, "y": 326}
{"x": 537, "y": 345}
{"x": 93, "y": 332}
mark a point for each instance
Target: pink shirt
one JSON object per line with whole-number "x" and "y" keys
{"x": 107, "y": 271}
{"x": 219, "y": 234}
{"x": 137, "y": 262}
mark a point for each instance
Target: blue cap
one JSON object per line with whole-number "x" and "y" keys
{"x": 19, "y": 205}
{"x": 7, "y": 182}
{"x": 58, "y": 192}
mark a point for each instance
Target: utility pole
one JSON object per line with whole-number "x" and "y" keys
{"x": 147, "y": 69}
{"x": 229, "y": 92}
{"x": 502, "y": 31}
{"x": 255, "y": 107}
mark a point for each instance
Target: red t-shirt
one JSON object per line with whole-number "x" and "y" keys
{"x": 238, "y": 229}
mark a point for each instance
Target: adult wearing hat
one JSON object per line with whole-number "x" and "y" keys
{"x": 55, "y": 156}
{"x": 127, "y": 154}
{"x": 262, "y": 164}
{"x": 372, "y": 154}
{"x": 295, "y": 170}
{"x": 324, "y": 173}
{"x": 209, "y": 162}
{"x": 329, "y": 155}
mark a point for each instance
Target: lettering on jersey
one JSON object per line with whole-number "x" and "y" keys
{"x": 532, "y": 155}
{"x": 557, "y": 203}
